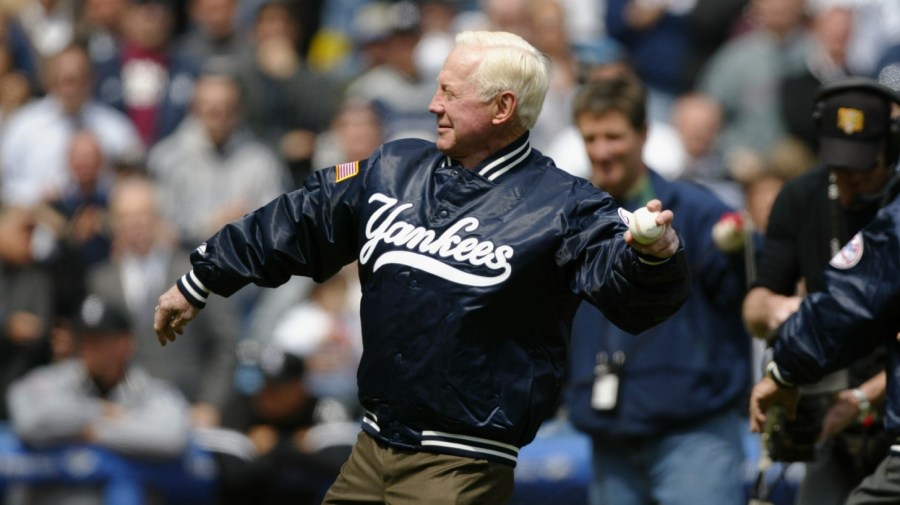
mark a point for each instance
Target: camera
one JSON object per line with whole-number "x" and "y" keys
{"x": 795, "y": 439}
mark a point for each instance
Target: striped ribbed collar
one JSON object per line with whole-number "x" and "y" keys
{"x": 501, "y": 161}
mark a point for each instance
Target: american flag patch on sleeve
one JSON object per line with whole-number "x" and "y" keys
{"x": 345, "y": 171}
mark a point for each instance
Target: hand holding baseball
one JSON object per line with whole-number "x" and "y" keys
{"x": 650, "y": 231}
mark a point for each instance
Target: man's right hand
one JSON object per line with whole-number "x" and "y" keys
{"x": 764, "y": 395}
{"x": 173, "y": 313}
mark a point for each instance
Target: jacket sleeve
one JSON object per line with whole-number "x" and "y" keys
{"x": 312, "y": 232}
{"x": 634, "y": 292}
{"x": 854, "y": 313}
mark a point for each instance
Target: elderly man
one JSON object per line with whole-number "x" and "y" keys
{"x": 473, "y": 253}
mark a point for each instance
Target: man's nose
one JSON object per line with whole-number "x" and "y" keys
{"x": 598, "y": 150}
{"x": 435, "y": 106}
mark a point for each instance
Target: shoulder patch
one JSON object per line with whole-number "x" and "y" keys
{"x": 850, "y": 255}
{"x": 345, "y": 171}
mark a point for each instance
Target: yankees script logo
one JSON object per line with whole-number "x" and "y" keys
{"x": 425, "y": 247}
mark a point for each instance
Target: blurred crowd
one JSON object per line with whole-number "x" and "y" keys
{"x": 131, "y": 130}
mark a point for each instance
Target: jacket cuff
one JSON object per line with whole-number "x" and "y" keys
{"x": 194, "y": 290}
{"x": 652, "y": 260}
{"x": 775, "y": 374}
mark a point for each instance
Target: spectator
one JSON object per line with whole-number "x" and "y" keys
{"x": 33, "y": 146}
{"x": 438, "y": 22}
{"x": 876, "y": 26}
{"x": 285, "y": 104}
{"x": 548, "y": 32}
{"x": 710, "y": 24}
{"x": 744, "y": 76}
{"x": 628, "y": 391}
{"x": 301, "y": 440}
{"x": 78, "y": 220}
{"x": 788, "y": 159}
{"x": 397, "y": 85}
{"x": 80, "y": 208}
{"x": 503, "y": 15}
{"x": 100, "y": 29}
{"x": 812, "y": 217}
{"x": 831, "y": 31}
{"x": 144, "y": 260}
{"x": 26, "y": 300}
{"x": 213, "y": 38}
{"x": 212, "y": 169}
{"x": 697, "y": 119}
{"x": 355, "y": 132}
{"x": 584, "y": 20}
{"x": 43, "y": 29}
{"x": 657, "y": 37}
{"x": 148, "y": 80}
{"x": 352, "y": 39}
{"x": 98, "y": 397}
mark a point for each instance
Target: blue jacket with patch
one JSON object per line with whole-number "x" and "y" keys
{"x": 854, "y": 313}
{"x": 470, "y": 279}
{"x": 693, "y": 365}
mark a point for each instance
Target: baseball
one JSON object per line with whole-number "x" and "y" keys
{"x": 643, "y": 226}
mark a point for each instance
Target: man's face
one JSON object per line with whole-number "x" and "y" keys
{"x": 614, "y": 148}
{"x": 463, "y": 120}
{"x": 134, "y": 220}
{"x": 71, "y": 79}
{"x": 853, "y": 184}
{"x": 105, "y": 356}
{"x": 216, "y": 106}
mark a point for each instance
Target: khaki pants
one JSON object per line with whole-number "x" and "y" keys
{"x": 381, "y": 475}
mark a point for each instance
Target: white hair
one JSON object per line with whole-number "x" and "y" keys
{"x": 510, "y": 64}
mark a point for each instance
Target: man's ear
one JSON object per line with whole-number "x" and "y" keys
{"x": 505, "y": 107}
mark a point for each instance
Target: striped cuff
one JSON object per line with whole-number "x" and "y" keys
{"x": 459, "y": 445}
{"x": 194, "y": 290}
{"x": 773, "y": 372}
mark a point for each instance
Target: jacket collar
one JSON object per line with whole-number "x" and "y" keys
{"x": 501, "y": 161}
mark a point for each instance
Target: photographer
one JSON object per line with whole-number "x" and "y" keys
{"x": 837, "y": 430}
{"x": 855, "y": 312}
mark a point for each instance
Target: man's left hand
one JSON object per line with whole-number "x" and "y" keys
{"x": 173, "y": 313}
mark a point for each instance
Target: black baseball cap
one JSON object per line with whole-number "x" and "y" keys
{"x": 854, "y": 123}
{"x": 278, "y": 365}
{"x": 97, "y": 317}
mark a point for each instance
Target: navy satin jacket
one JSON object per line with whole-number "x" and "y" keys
{"x": 470, "y": 279}
{"x": 855, "y": 312}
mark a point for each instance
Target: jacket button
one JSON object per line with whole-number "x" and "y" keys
{"x": 443, "y": 214}
{"x": 398, "y": 358}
